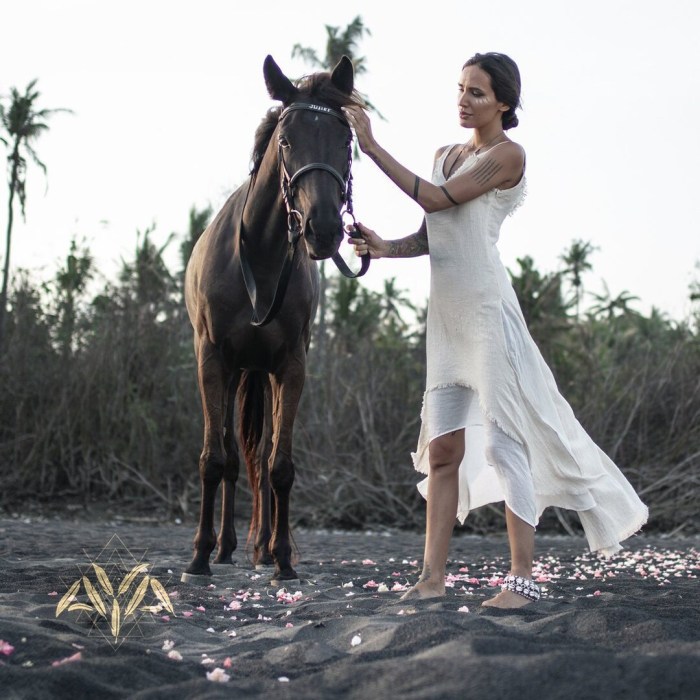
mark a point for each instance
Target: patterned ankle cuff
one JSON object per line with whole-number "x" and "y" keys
{"x": 522, "y": 586}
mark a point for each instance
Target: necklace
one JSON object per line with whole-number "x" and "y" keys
{"x": 486, "y": 145}
{"x": 476, "y": 151}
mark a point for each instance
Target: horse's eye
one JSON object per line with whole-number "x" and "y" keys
{"x": 283, "y": 142}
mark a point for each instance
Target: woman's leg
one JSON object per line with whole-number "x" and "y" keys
{"x": 509, "y": 459}
{"x": 446, "y": 453}
{"x": 521, "y": 537}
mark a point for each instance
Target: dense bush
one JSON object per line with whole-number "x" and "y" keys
{"x": 99, "y": 398}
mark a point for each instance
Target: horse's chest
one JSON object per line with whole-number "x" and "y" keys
{"x": 257, "y": 350}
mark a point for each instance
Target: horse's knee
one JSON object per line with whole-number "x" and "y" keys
{"x": 445, "y": 453}
{"x": 211, "y": 470}
{"x": 282, "y": 474}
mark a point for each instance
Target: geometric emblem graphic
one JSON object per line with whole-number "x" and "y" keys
{"x": 117, "y": 593}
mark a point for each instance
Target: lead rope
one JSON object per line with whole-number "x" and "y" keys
{"x": 336, "y": 257}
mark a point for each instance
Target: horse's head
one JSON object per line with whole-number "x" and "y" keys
{"x": 313, "y": 141}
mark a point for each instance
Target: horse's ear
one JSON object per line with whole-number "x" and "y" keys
{"x": 343, "y": 75}
{"x": 279, "y": 86}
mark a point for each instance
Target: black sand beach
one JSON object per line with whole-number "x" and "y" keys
{"x": 623, "y": 628}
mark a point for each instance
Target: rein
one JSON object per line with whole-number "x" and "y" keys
{"x": 294, "y": 221}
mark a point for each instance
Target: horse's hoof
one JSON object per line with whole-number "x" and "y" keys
{"x": 264, "y": 567}
{"x": 284, "y": 578}
{"x": 228, "y": 559}
{"x": 264, "y": 560}
{"x": 196, "y": 579}
{"x": 198, "y": 568}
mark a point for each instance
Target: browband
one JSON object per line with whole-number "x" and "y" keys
{"x": 314, "y": 108}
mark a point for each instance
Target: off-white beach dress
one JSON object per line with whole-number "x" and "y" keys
{"x": 486, "y": 374}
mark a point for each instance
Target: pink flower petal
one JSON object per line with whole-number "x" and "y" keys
{"x": 6, "y": 648}
{"x": 218, "y": 675}
{"x": 69, "y": 659}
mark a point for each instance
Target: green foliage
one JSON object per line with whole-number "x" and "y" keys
{"x": 100, "y": 400}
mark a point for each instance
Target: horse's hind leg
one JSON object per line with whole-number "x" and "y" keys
{"x": 255, "y": 437}
{"x": 213, "y": 382}
{"x": 228, "y": 541}
{"x": 287, "y": 388}
{"x": 263, "y": 535}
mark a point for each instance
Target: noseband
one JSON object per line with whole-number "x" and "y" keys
{"x": 295, "y": 219}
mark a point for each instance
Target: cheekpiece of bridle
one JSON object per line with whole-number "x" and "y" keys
{"x": 295, "y": 219}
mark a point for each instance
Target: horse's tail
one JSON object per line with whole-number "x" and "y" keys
{"x": 251, "y": 411}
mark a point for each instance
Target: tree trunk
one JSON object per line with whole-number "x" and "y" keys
{"x": 8, "y": 241}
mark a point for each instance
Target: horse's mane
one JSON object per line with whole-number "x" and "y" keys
{"x": 317, "y": 86}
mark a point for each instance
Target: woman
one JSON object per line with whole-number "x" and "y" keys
{"x": 494, "y": 426}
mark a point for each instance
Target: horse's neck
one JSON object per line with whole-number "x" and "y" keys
{"x": 264, "y": 213}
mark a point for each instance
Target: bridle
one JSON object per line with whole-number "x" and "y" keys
{"x": 295, "y": 219}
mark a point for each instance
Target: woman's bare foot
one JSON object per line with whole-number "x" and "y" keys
{"x": 506, "y": 600}
{"x": 424, "y": 590}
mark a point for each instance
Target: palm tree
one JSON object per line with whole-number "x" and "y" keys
{"x": 339, "y": 43}
{"x": 576, "y": 261}
{"x": 71, "y": 283}
{"x": 23, "y": 124}
{"x": 611, "y": 307}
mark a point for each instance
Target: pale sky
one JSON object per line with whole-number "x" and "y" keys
{"x": 167, "y": 95}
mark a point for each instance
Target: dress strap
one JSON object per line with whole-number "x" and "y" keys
{"x": 501, "y": 143}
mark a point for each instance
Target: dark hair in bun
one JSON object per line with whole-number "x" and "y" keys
{"x": 505, "y": 81}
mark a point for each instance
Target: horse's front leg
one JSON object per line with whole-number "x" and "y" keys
{"x": 287, "y": 386}
{"x": 213, "y": 383}
{"x": 227, "y": 541}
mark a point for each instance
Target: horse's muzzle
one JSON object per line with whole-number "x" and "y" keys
{"x": 323, "y": 238}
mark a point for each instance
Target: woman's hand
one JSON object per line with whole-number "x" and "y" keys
{"x": 361, "y": 125}
{"x": 366, "y": 241}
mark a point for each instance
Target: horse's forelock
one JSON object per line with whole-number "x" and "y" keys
{"x": 317, "y": 86}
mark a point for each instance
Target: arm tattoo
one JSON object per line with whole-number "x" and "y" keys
{"x": 411, "y": 246}
{"x": 416, "y": 185}
{"x": 483, "y": 173}
{"x": 486, "y": 170}
{"x": 447, "y": 194}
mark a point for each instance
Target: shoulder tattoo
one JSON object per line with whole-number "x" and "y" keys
{"x": 484, "y": 172}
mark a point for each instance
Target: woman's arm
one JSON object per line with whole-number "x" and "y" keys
{"x": 408, "y": 247}
{"x": 502, "y": 168}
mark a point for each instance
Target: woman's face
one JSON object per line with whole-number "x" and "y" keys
{"x": 477, "y": 103}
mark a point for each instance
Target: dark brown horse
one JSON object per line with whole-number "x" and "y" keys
{"x": 251, "y": 338}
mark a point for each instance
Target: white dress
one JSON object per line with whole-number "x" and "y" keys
{"x": 477, "y": 340}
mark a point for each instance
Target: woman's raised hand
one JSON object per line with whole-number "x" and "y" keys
{"x": 360, "y": 123}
